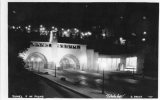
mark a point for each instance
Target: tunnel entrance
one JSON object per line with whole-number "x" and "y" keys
{"x": 36, "y": 61}
{"x": 69, "y": 62}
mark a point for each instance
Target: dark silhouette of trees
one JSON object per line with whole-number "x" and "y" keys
{"x": 17, "y": 42}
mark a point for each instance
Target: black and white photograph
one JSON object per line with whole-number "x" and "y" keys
{"x": 105, "y": 50}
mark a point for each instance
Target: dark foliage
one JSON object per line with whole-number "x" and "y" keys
{"x": 17, "y": 42}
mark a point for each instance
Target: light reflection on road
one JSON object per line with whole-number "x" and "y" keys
{"x": 82, "y": 77}
{"x": 114, "y": 82}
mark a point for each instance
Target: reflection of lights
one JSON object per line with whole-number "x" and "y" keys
{"x": 143, "y": 39}
{"x": 83, "y": 82}
{"x": 29, "y": 26}
{"x": 82, "y": 77}
{"x": 98, "y": 81}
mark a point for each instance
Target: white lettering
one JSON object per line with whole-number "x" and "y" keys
{"x": 114, "y": 96}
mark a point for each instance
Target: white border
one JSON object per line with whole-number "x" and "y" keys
{"x": 4, "y": 40}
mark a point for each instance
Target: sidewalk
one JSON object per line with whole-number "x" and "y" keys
{"x": 88, "y": 92}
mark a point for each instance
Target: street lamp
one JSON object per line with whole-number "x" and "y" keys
{"x": 55, "y": 70}
{"x": 103, "y": 82}
{"x": 102, "y": 62}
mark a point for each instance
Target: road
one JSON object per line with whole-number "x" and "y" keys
{"x": 116, "y": 83}
{"x": 52, "y": 90}
{"x": 34, "y": 86}
{"x": 27, "y": 84}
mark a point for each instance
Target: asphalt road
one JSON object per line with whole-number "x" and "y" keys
{"x": 116, "y": 83}
{"x": 27, "y": 84}
{"x": 30, "y": 85}
{"x": 52, "y": 90}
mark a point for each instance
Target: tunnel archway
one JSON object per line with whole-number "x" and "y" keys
{"x": 36, "y": 61}
{"x": 69, "y": 61}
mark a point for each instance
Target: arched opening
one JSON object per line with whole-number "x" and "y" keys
{"x": 36, "y": 61}
{"x": 69, "y": 62}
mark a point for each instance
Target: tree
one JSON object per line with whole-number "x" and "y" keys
{"x": 17, "y": 42}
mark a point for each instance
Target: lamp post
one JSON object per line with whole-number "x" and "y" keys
{"x": 55, "y": 70}
{"x": 103, "y": 64}
{"x": 103, "y": 82}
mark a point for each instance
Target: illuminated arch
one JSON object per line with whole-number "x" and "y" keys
{"x": 36, "y": 58}
{"x": 71, "y": 61}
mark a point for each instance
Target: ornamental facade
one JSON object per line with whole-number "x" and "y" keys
{"x": 45, "y": 56}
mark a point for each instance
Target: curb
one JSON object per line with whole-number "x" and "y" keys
{"x": 64, "y": 86}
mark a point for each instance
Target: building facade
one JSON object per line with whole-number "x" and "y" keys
{"x": 45, "y": 56}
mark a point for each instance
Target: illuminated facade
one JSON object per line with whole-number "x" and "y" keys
{"x": 45, "y": 56}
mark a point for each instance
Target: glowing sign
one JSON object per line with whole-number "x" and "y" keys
{"x": 40, "y": 44}
{"x": 68, "y": 46}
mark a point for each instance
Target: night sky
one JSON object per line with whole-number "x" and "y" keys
{"x": 122, "y": 19}
{"x": 82, "y": 15}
